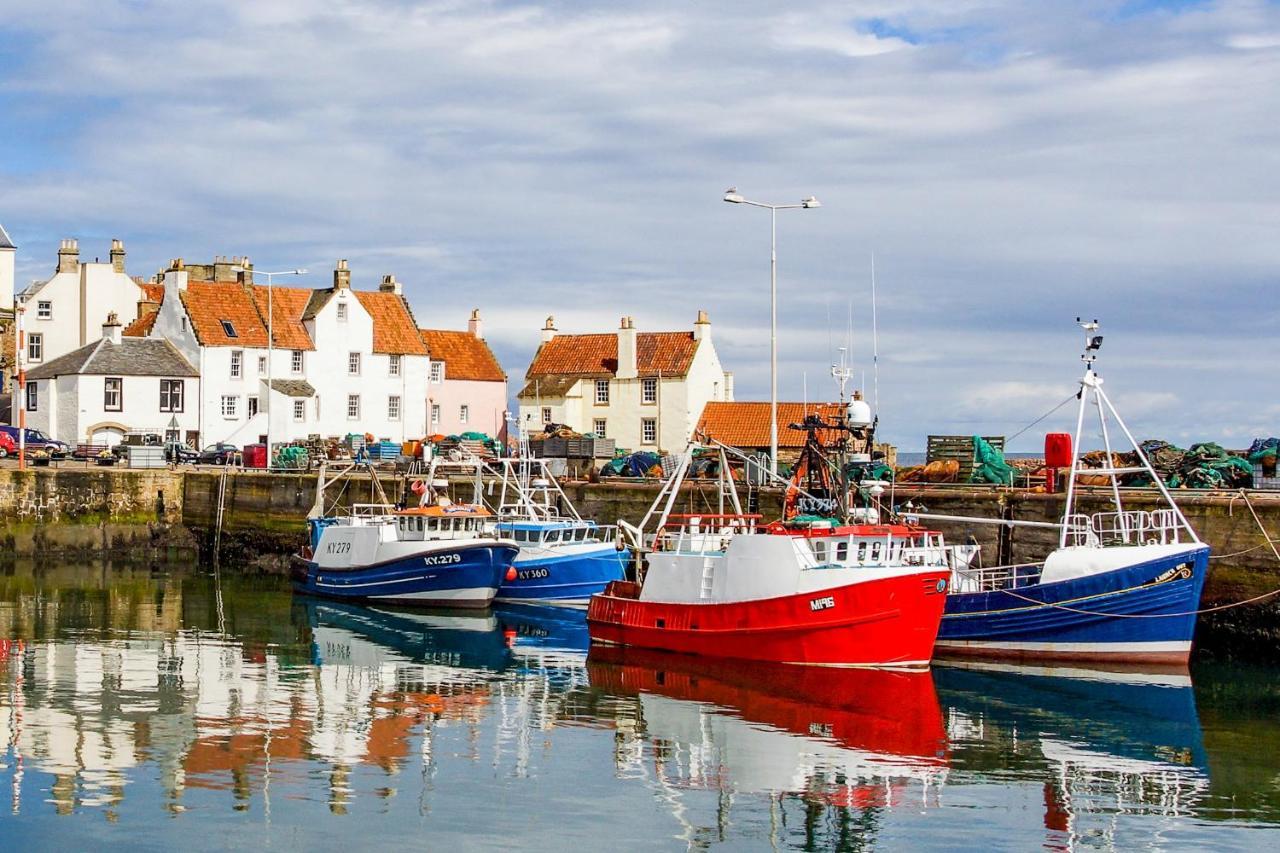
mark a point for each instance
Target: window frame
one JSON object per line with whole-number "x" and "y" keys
{"x": 434, "y": 413}
{"x": 343, "y": 312}
{"x": 546, "y": 415}
{"x": 394, "y": 365}
{"x": 107, "y": 390}
{"x": 354, "y": 360}
{"x": 464, "y": 413}
{"x": 437, "y": 372}
{"x": 353, "y": 405}
{"x": 299, "y": 411}
{"x": 600, "y": 426}
{"x": 645, "y": 425}
{"x": 35, "y": 346}
{"x": 393, "y": 407}
{"x": 229, "y": 329}
{"x": 262, "y": 365}
{"x": 649, "y": 383}
{"x": 44, "y": 309}
{"x": 602, "y": 392}
{"x": 33, "y": 396}
{"x": 231, "y": 412}
{"x": 168, "y": 395}
{"x": 237, "y": 364}
{"x": 296, "y": 363}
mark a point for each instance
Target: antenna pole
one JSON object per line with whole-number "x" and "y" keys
{"x": 875, "y": 342}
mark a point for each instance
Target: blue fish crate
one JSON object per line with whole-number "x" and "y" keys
{"x": 384, "y": 450}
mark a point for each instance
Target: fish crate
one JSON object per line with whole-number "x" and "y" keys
{"x": 554, "y": 447}
{"x": 958, "y": 448}
{"x": 1263, "y": 482}
{"x": 384, "y": 450}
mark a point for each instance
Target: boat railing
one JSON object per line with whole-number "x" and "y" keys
{"x": 993, "y": 578}
{"x": 699, "y": 533}
{"x": 1131, "y": 527}
{"x": 371, "y": 510}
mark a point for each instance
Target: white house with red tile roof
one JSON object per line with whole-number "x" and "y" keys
{"x": 66, "y": 311}
{"x": 645, "y": 390}
{"x": 342, "y": 361}
{"x": 466, "y": 388}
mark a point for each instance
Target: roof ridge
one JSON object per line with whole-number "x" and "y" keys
{"x": 5, "y": 241}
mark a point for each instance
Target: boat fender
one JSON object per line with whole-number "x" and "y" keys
{"x": 417, "y": 487}
{"x": 511, "y": 574}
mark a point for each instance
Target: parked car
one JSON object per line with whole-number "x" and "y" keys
{"x": 36, "y": 440}
{"x": 7, "y": 445}
{"x": 177, "y": 452}
{"x": 218, "y": 454}
{"x": 136, "y": 439}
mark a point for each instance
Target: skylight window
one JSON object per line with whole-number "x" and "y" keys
{"x": 228, "y": 329}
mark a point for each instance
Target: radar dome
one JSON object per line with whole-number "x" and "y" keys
{"x": 859, "y": 413}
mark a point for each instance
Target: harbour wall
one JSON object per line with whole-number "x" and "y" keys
{"x": 159, "y": 513}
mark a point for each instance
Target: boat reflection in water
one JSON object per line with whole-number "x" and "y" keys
{"x": 1102, "y": 742}
{"x": 860, "y": 739}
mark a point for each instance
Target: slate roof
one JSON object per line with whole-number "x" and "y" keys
{"x": 208, "y": 303}
{"x": 464, "y": 355}
{"x": 668, "y": 353}
{"x": 130, "y": 357}
{"x": 287, "y": 307}
{"x": 746, "y": 423}
{"x": 5, "y": 242}
{"x": 293, "y": 387}
{"x": 394, "y": 330}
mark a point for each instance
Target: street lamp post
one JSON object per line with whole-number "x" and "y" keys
{"x": 270, "y": 340}
{"x": 734, "y": 197}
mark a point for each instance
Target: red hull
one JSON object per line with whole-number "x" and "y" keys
{"x": 889, "y": 622}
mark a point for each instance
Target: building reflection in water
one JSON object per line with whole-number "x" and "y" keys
{"x": 110, "y": 685}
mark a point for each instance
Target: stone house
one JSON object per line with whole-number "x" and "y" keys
{"x": 466, "y": 386}
{"x": 645, "y": 390}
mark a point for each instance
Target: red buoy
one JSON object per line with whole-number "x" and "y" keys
{"x": 511, "y": 574}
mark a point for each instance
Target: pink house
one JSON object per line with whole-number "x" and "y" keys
{"x": 466, "y": 388}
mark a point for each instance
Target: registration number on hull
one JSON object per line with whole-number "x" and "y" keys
{"x": 442, "y": 560}
{"x": 825, "y": 603}
{"x": 533, "y": 574}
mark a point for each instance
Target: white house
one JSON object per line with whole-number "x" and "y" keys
{"x": 341, "y": 360}
{"x": 642, "y": 389}
{"x": 97, "y": 393}
{"x": 65, "y": 312}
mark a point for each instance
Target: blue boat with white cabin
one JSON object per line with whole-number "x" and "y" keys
{"x": 1121, "y": 586}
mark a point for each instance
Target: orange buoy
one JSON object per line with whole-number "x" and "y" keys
{"x": 511, "y": 574}
{"x": 417, "y": 487}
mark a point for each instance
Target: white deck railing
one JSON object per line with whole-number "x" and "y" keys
{"x": 1132, "y": 527}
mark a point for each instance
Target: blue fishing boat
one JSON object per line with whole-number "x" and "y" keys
{"x": 1122, "y": 585}
{"x": 435, "y": 555}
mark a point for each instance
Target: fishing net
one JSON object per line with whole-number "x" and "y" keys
{"x": 989, "y": 465}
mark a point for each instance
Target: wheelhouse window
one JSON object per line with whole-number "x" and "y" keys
{"x": 393, "y": 365}
{"x": 393, "y": 408}
{"x": 353, "y": 364}
{"x": 230, "y": 406}
{"x": 295, "y": 361}
{"x": 648, "y": 430}
{"x": 35, "y": 347}
{"x": 44, "y": 310}
{"x": 842, "y": 552}
{"x": 171, "y": 395}
{"x": 602, "y": 392}
{"x": 648, "y": 390}
{"x": 237, "y": 363}
{"x": 113, "y": 393}
{"x": 353, "y": 407}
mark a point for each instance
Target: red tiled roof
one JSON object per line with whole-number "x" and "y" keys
{"x": 668, "y": 353}
{"x": 465, "y": 356}
{"x": 393, "y": 328}
{"x": 287, "y": 305}
{"x": 142, "y": 326}
{"x": 152, "y": 292}
{"x": 208, "y": 303}
{"x": 746, "y": 424}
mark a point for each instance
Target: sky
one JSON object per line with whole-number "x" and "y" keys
{"x": 1008, "y": 166}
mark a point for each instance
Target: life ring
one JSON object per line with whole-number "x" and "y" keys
{"x": 418, "y": 487}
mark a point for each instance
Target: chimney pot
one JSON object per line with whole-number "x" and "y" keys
{"x": 341, "y": 275}
{"x": 111, "y": 329}
{"x": 69, "y": 256}
{"x": 475, "y": 325}
{"x": 117, "y": 255}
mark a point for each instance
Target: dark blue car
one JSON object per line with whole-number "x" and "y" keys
{"x": 36, "y": 440}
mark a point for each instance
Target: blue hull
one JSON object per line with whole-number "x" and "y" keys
{"x": 466, "y": 576}
{"x": 569, "y": 578}
{"x": 1143, "y": 612}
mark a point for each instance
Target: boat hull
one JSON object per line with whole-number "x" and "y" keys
{"x": 887, "y": 622}
{"x": 466, "y": 575}
{"x": 565, "y": 579}
{"x": 1142, "y": 613}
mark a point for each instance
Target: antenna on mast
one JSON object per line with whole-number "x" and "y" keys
{"x": 842, "y": 372}
{"x": 875, "y": 343}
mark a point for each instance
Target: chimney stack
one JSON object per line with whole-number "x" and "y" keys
{"x": 111, "y": 329}
{"x": 549, "y": 330}
{"x": 390, "y": 285}
{"x": 117, "y": 255}
{"x": 627, "y": 350}
{"x": 475, "y": 325}
{"x": 702, "y": 327}
{"x": 342, "y": 276}
{"x": 69, "y": 256}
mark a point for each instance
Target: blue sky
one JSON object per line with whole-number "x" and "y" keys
{"x": 1010, "y": 165}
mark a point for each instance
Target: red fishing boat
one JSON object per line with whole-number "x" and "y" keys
{"x": 827, "y": 585}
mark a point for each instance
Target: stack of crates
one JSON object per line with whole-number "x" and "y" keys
{"x": 387, "y": 451}
{"x": 1262, "y": 481}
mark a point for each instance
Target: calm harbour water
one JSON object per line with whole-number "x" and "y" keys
{"x": 154, "y": 710}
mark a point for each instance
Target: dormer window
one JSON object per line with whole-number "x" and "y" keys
{"x": 228, "y": 329}
{"x": 342, "y": 312}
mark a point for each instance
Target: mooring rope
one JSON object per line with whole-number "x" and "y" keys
{"x": 1269, "y": 541}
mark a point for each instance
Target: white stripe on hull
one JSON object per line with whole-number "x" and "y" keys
{"x": 475, "y": 593}
{"x": 1162, "y": 647}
